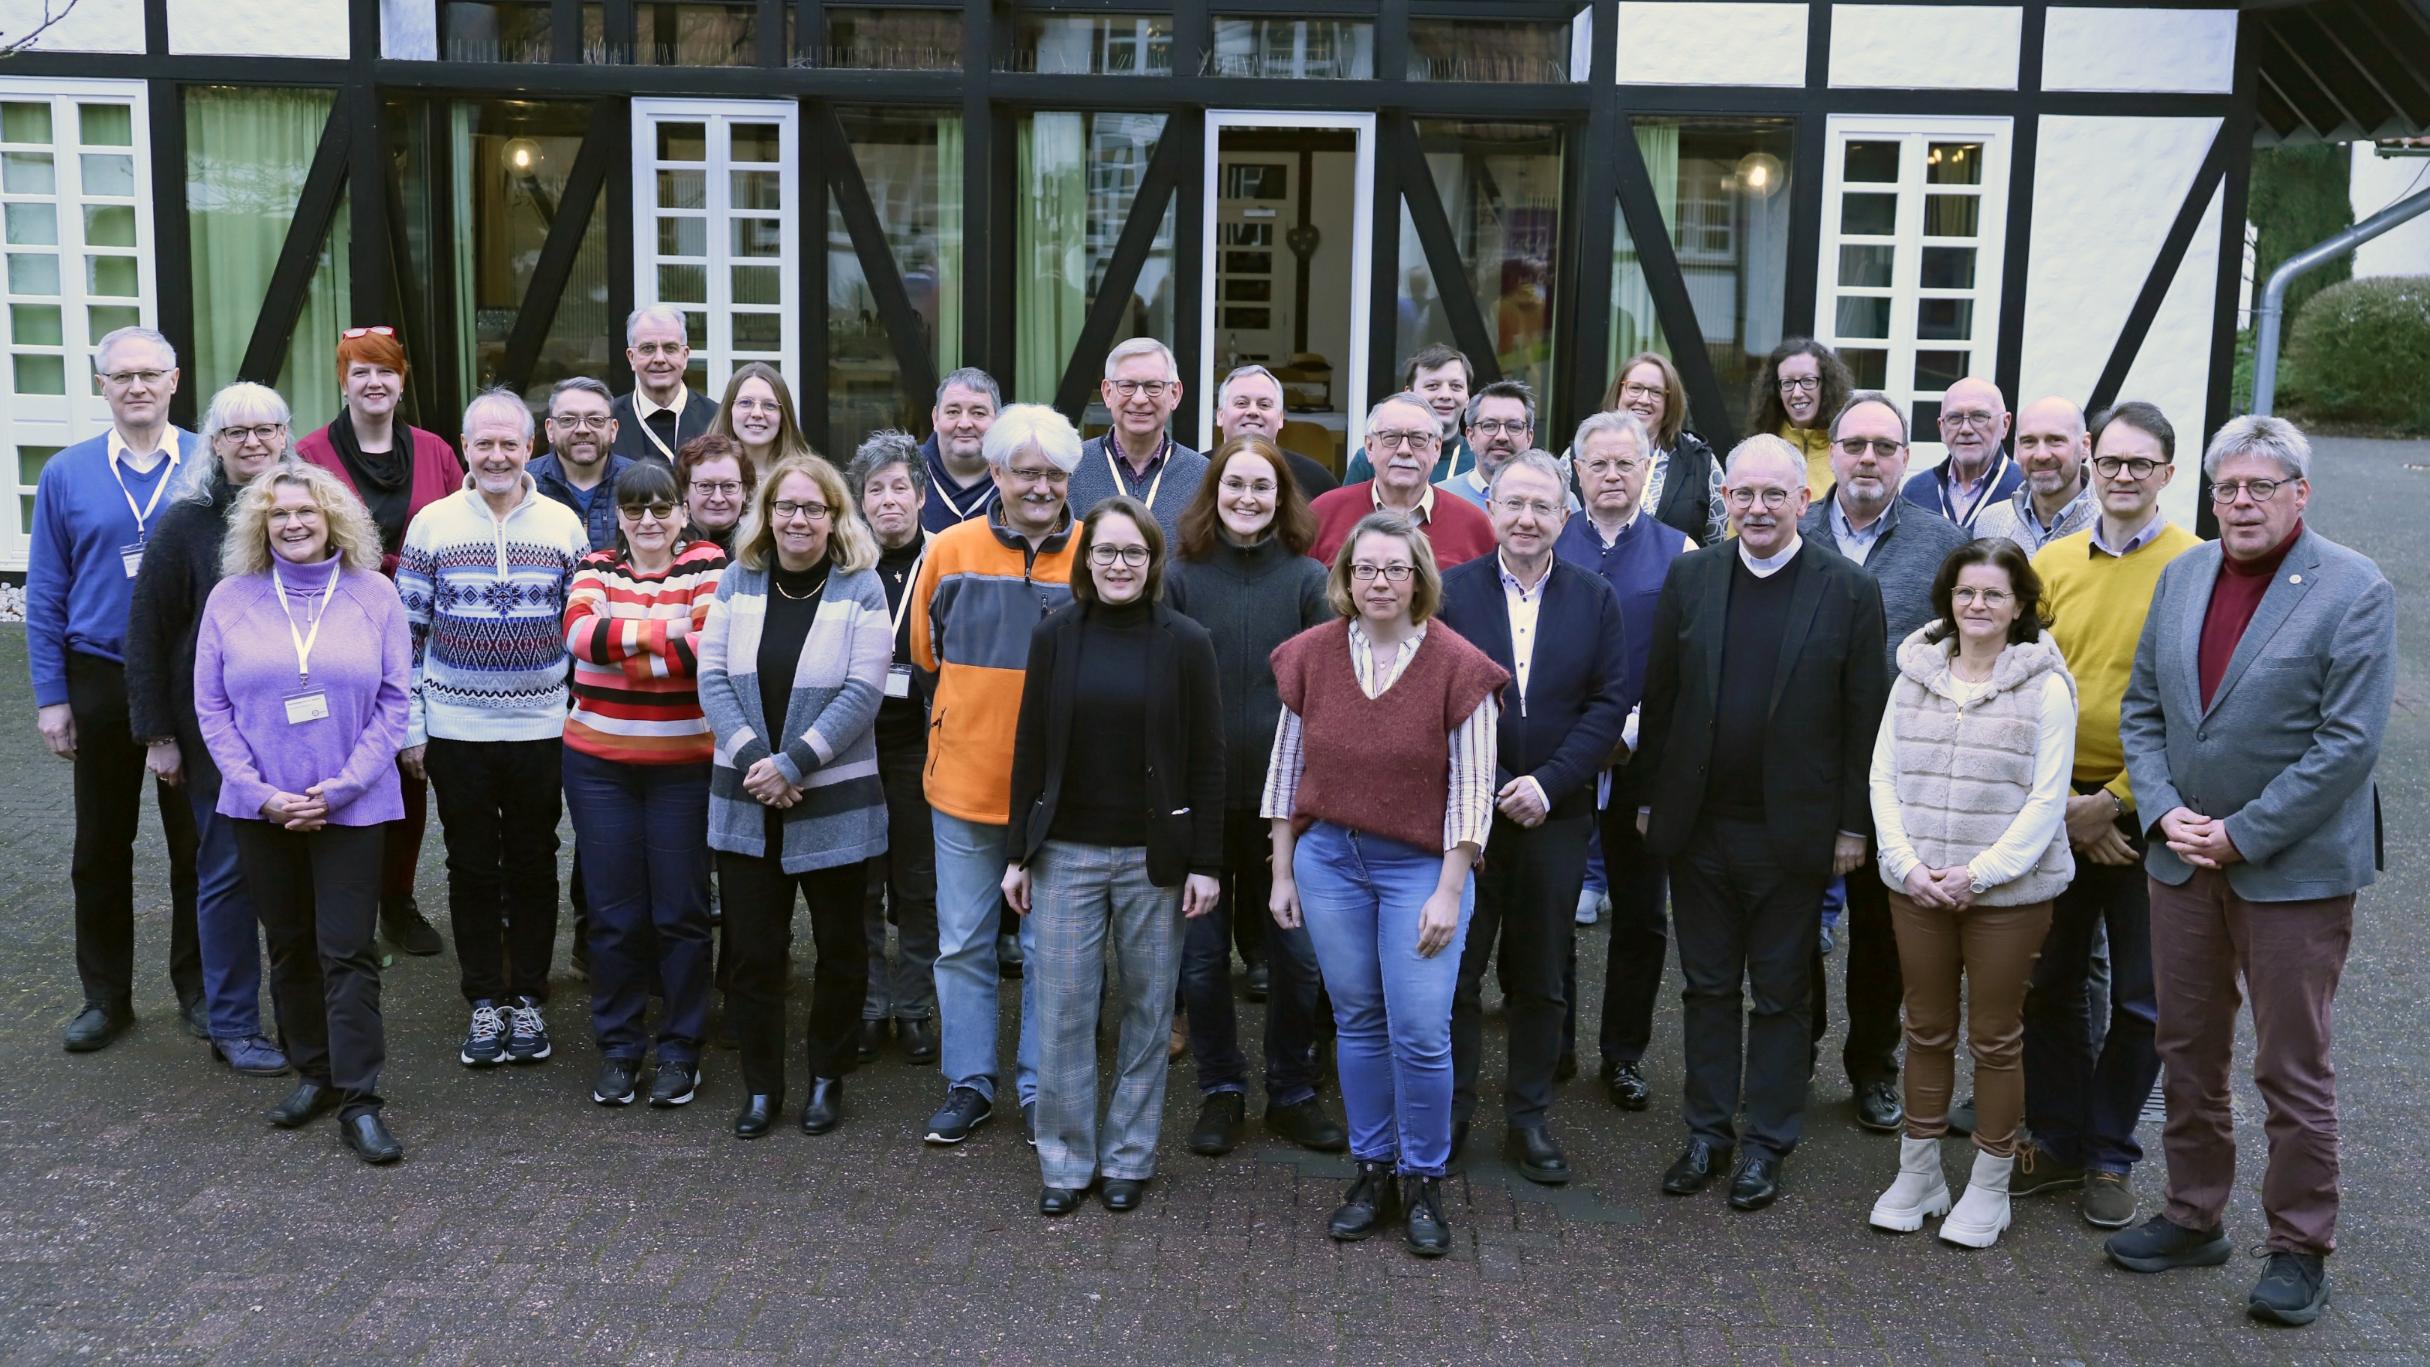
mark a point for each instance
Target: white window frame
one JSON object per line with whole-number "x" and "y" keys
{"x": 56, "y": 420}
{"x": 1906, "y": 291}
{"x": 716, "y": 350}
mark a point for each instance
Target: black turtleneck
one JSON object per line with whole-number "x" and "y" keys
{"x": 793, "y": 599}
{"x": 901, "y": 721}
{"x": 1104, "y": 796}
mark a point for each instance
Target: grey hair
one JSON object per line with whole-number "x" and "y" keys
{"x": 1541, "y": 461}
{"x": 664, "y": 313}
{"x": 1143, "y": 346}
{"x": 242, "y": 402}
{"x": 880, "y": 451}
{"x": 580, "y": 384}
{"x": 2260, "y": 435}
{"x": 1402, "y": 397}
{"x": 1246, "y": 372}
{"x": 1618, "y": 420}
{"x": 1500, "y": 389}
{"x": 1025, "y": 426}
{"x": 1865, "y": 396}
{"x": 500, "y": 398}
{"x": 1767, "y": 446}
{"x": 975, "y": 380}
{"x": 101, "y": 352}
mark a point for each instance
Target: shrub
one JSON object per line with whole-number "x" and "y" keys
{"x": 2362, "y": 348}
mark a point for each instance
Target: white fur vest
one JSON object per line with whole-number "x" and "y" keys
{"x": 1965, "y": 770}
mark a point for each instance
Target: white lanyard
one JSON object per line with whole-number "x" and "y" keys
{"x": 1123, "y": 486}
{"x": 652, "y": 432}
{"x": 317, "y": 611}
{"x": 144, "y": 513}
{"x": 960, "y": 513}
{"x": 910, "y": 580}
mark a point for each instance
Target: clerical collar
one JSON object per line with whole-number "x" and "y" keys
{"x": 1764, "y": 567}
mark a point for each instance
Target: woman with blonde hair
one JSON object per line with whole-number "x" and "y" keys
{"x": 758, "y": 413}
{"x": 1683, "y": 477}
{"x": 300, "y": 672}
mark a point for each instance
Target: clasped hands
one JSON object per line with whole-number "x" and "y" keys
{"x": 768, "y": 784}
{"x": 1951, "y": 888}
{"x": 2199, "y": 840}
{"x": 301, "y": 812}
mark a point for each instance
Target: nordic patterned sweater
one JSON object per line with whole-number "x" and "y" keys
{"x": 485, "y": 599}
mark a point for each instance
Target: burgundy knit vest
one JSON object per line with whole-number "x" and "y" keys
{"x": 1380, "y": 765}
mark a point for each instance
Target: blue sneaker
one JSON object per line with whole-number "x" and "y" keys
{"x": 526, "y": 1033}
{"x": 485, "y": 1043}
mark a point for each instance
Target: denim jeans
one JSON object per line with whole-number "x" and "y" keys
{"x": 225, "y": 928}
{"x": 903, "y": 883}
{"x": 1360, "y": 896}
{"x": 970, "y": 887}
{"x": 2082, "y": 1106}
{"x": 1080, "y": 896}
{"x": 644, "y": 829}
{"x": 1206, "y": 977}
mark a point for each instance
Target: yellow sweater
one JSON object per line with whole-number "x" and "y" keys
{"x": 2097, "y": 603}
{"x": 1814, "y": 443}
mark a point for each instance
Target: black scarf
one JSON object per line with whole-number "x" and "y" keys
{"x": 380, "y": 478}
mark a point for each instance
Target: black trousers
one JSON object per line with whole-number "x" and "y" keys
{"x": 318, "y": 897}
{"x": 1527, "y": 900}
{"x": 1639, "y": 925}
{"x": 499, "y": 801}
{"x": 109, "y": 806}
{"x": 1875, "y": 988}
{"x": 1747, "y": 938}
{"x": 758, "y": 956}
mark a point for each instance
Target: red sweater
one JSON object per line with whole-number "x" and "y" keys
{"x": 636, "y": 683}
{"x": 436, "y": 474}
{"x": 1457, "y": 530}
{"x": 1380, "y": 765}
{"x": 2235, "y": 597}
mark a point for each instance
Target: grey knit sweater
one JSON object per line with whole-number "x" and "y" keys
{"x": 1913, "y": 543}
{"x": 1093, "y": 483}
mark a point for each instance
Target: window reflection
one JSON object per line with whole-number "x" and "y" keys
{"x": 1500, "y": 186}
{"x": 912, "y": 163}
{"x": 1076, "y": 178}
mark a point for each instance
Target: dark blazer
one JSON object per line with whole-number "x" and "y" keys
{"x": 1184, "y": 742}
{"x": 632, "y": 443}
{"x": 1564, "y": 733}
{"x": 1687, "y": 491}
{"x": 1827, "y": 701}
{"x": 1312, "y": 476}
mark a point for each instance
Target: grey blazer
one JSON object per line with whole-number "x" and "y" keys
{"x": 2285, "y": 750}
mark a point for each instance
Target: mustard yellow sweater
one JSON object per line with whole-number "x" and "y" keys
{"x": 2097, "y": 603}
{"x": 1814, "y": 443}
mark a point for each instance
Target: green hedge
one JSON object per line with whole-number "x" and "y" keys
{"x": 2359, "y": 351}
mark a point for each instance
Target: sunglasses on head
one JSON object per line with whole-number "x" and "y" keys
{"x": 380, "y": 330}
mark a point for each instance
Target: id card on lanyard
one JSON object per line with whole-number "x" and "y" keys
{"x": 898, "y": 675}
{"x": 1123, "y": 485}
{"x": 306, "y": 703}
{"x": 131, "y": 554}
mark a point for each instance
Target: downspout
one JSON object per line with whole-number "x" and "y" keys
{"x": 2272, "y": 308}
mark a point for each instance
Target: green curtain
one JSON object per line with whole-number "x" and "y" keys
{"x": 1051, "y": 242}
{"x": 949, "y": 244}
{"x": 460, "y": 117}
{"x": 248, "y": 153}
{"x": 1634, "y": 326}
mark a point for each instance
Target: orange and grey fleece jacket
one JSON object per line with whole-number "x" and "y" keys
{"x": 982, "y": 589}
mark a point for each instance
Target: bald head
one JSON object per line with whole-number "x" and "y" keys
{"x": 1974, "y": 422}
{"x": 2052, "y": 447}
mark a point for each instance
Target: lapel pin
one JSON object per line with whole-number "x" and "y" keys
{"x": 2294, "y": 578}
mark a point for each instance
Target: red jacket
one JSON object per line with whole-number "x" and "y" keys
{"x": 436, "y": 474}
{"x": 1455, "y": 527}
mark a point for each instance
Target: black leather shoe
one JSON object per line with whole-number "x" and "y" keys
{"x": 872, "y": 1038}
{"x": 1565, "y": 1067}
{"x": 1053, "y": 1201}
{"x": 1429, "y": 1234}
{"x": 1218, "y": 1129}
{"x": 919, "y": 1040}
{"x": 1755, "y": 1184}
{"x": 402, "y": 923}
{"x": 758, "y": 1115}
{"x": 94, "y": 1028}
{"x": 1122, "y": 1193}
{"x": 1695, "y": 1169}
{"x": 1309, "y": 1125}
{"x": 196, "y": 1017}
{"x": 1878, "y": 1106}
{"x": 364, "y": 1133}
{"x": 1625, "y": 1084}
{"x": 1374, "y": 1199}
{"x": 1531, "y": 1149}
{"x": 825, "y": 1108}
{"x": 308, "y": 1101}
{"x": 1258, "y": 982}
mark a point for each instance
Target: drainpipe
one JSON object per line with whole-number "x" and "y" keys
{"x": 2267, "y": 314}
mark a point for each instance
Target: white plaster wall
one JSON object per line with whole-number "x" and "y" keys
{"x": 409, "y": 30}
{"x": 2377, "y": 183}
{"x": 2187, "y": 50}
{"x": 1712, "y": 43}
{"x": 257, "y": 28}
{"x": 1926, "y": 47}
{"x": 2173, "y": 369}
{"x": 93, "y": 26}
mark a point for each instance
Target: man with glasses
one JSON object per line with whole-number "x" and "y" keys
{"x": 2252, "y": 724}
{"x": 94, "y": 505}
{"x": 1500, "y": 423}
{"x": 1556, "y": 630}
{"x": 663, "y": 412}
{"x": 954, "y": 457}
{"x": 1249, "y": 403}
{"x": 580, "y": 468}
{"x": 1440, "y": 377}
{"x": 1139, "y": 457}
{"x": 1977, "y": 473}
{"x": 2056, "y": 499}
{"x": 1762, "y": 693}
{"x": 1901, "y": 545}
{"x": 1402, "y": 437}
{"x": 2097, "y": 588}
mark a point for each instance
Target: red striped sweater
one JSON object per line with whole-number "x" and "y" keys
{"x": 636, "y": 694}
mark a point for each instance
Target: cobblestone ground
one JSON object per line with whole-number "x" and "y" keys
{"x": 147, "y": 1214}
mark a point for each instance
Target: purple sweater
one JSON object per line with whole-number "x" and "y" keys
{"x": 244, "y": 671}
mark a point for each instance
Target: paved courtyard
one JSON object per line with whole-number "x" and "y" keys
{"x": 147, "y": 1214}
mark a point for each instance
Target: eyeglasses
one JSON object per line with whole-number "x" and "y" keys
{"x": 1037, "y": 475}
{"x": 580, "y": 422}
{"x": 1416, "y": 441}
{"x": 724, "y": 488}
{"x": 1978, "y": 421}
{"x": 1614, "y": 465}
{"x": 756, "y": 406}
{"x": 664, "y": 512}
{"x": 1263, "y": 488}
{"x": 2262, "y": 490}
{"x": 654, "y": 349}
{"x": 1514, "y": 426}
{"x": 1990, "y": 598}
{"x": 1393, "y": 574}
{"x": 263, "y": 432}
{"x": 1856, "y": 447}
{"x": 123, "y": 378}
{"x": 1531, "y": 506}
{"x": 1747, "y": 498}
{"x": 2139, "y": 467}
{"x": 1792, "y": 385}
{"x": 1641, "y": 391}
{"x": 1153, "y": 389}
{"x": 377, "y": 330}
{"x": 785, "y": 510}
{"x": 1133, "y": 556}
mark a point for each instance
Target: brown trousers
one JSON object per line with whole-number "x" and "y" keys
{"x": 2290, "y": 955}
{"x": 1993, "y": 949}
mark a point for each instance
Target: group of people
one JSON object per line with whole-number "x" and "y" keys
{"x": 1008, "y": 702}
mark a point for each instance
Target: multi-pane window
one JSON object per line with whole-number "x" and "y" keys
{"x": 718, "y": 193}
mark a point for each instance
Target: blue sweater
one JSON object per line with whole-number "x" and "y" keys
{"x": 76, "y": 584}
{"x": 1635, "y": 565}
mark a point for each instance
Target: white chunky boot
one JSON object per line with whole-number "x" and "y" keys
{"x": 1920, "y": 1190}
{"x": 1983, "y": 1211}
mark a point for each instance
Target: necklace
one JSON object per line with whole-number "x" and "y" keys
{"x": 779, "y": 585}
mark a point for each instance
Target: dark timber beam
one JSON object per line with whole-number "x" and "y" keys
{"x": 2181, "y": 230}
{"x": 559, "y": 249}
{"x": 915, "y": 361}
{"x": 2024, "y": 157}
{"x": 172, "y": 237}
{"x": 1452, "y": 285}
{"x": 1157, "y": 185}
{"x": 1673, "y": 307}
{"x": 299, "y": 256}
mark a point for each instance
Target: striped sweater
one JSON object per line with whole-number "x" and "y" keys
{"x": 636, "y": 692}
{"x": 485, "y": 599}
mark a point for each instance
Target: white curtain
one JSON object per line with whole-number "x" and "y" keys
{"x": 1634, "y": 325}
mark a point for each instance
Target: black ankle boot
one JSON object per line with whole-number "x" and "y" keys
{"x": 1429, "y": 1232}
{"x": 1371, "y": 1202}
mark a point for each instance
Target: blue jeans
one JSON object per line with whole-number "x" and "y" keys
{"x": 2083, "y": 1105}
{"x": 1206, "y": 977}
{"x": 1360, "y": 896}
{"x": 1080, "y": 897}
{"x": 644, "y": 830}
{"x": 970, "y": 886}
{"x": 227, "y": 933}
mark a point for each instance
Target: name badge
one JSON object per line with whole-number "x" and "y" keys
{"x": 304, "y": 707}
{"x": 898, "y": 681}
{"x": 131, "y": 555}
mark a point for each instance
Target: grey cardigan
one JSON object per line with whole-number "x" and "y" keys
{"x": 1093, "y": 483}
{"x": 2286, "y": 749}
{"x": 828, "y": 746}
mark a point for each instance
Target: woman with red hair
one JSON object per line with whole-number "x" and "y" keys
{"x": 396, "y": 470}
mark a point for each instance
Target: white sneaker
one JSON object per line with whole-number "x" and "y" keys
{"x": 1919, "y": 1192}
{"x": 1591, "y": 906}
{"x": 1983, "y": 1211}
